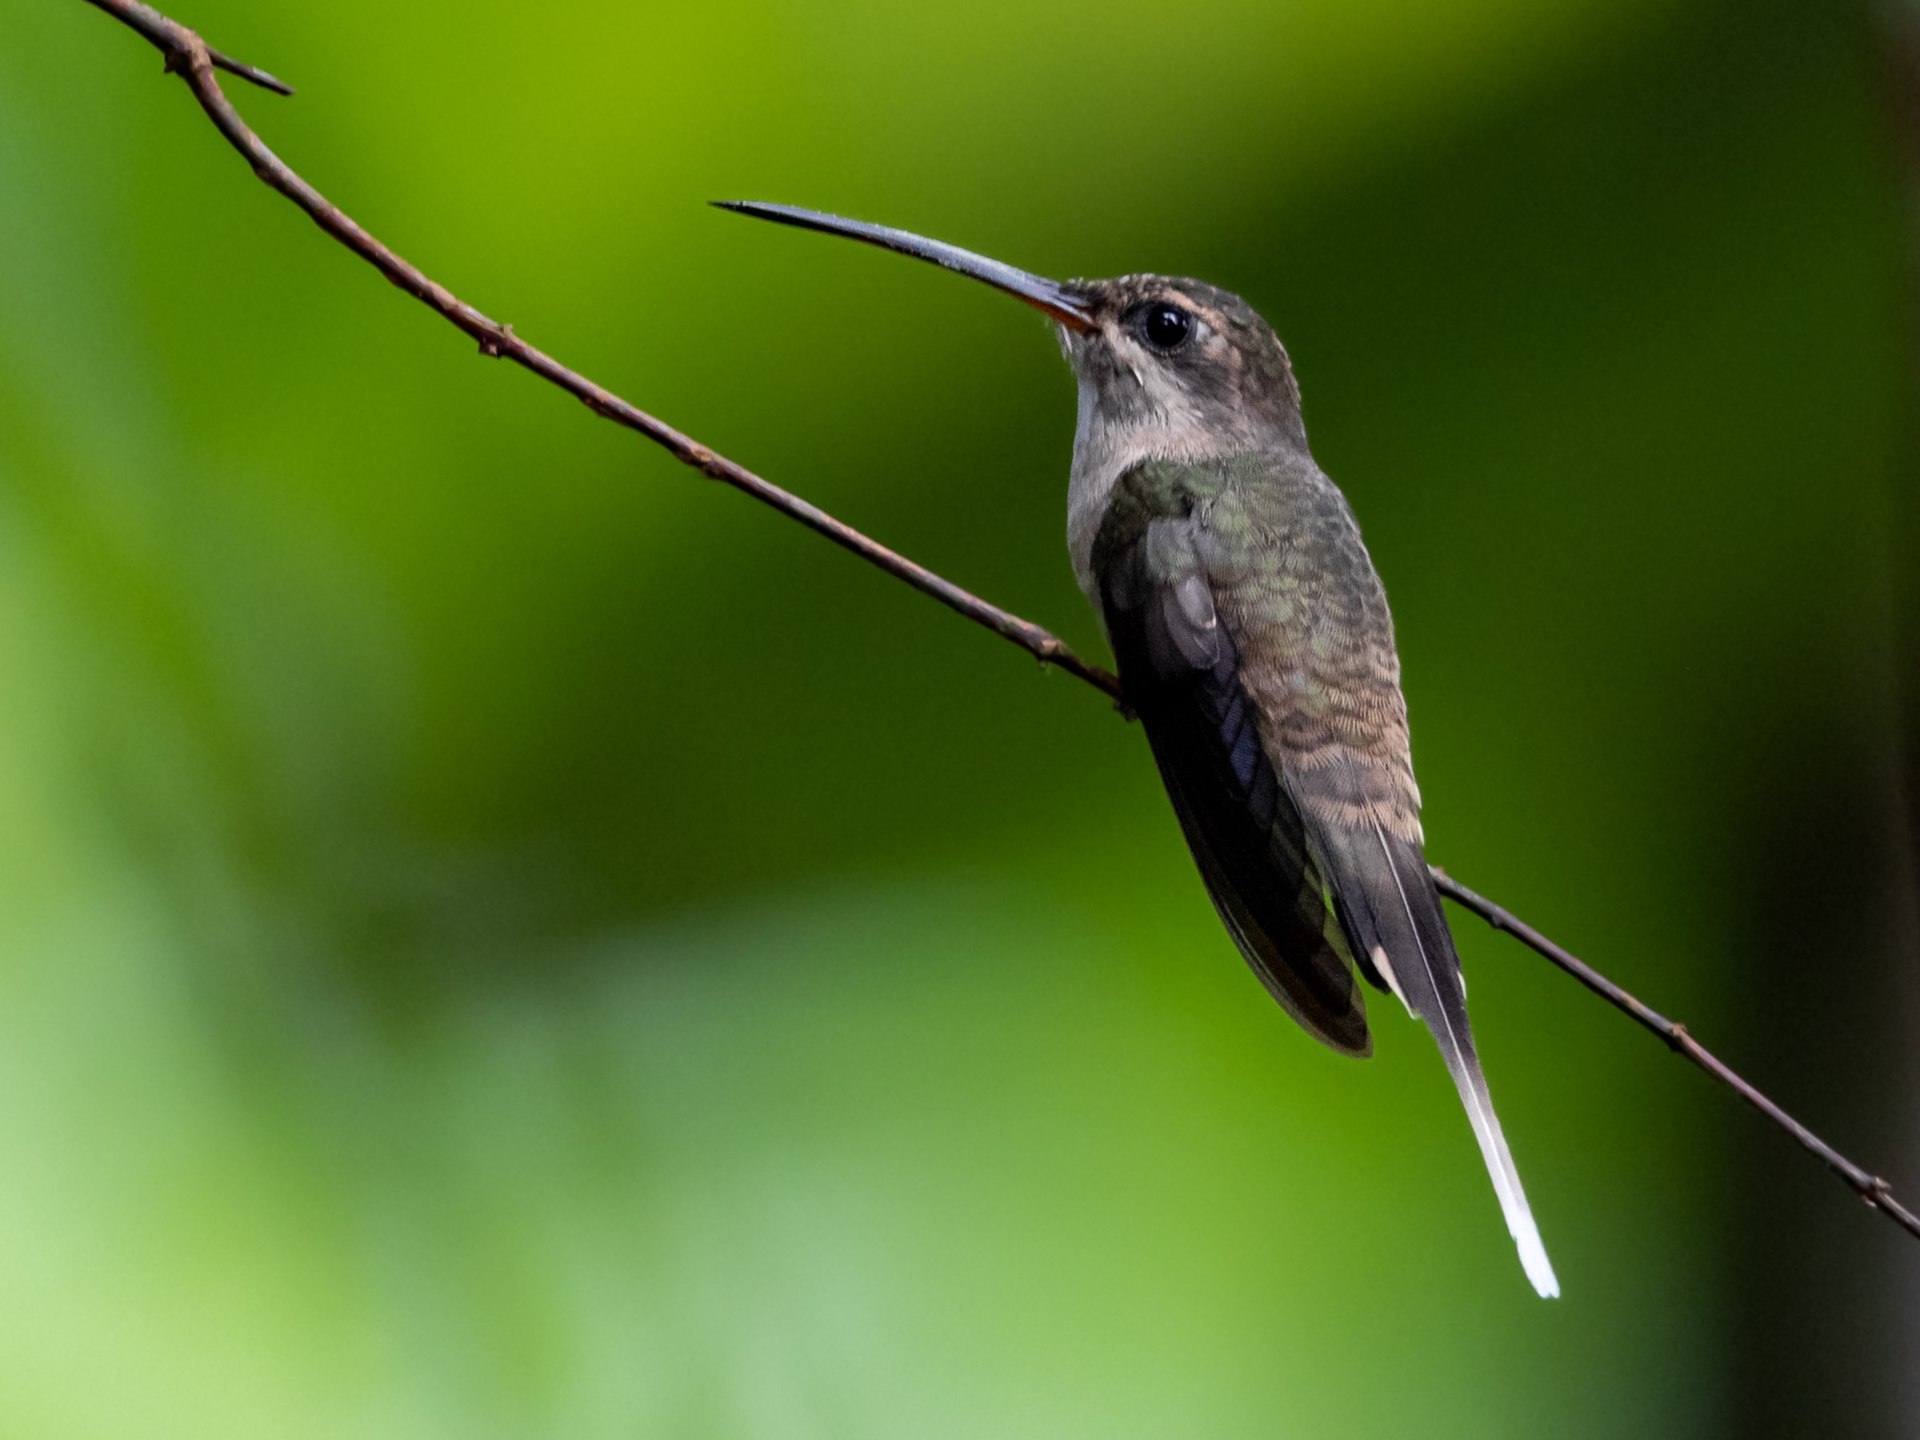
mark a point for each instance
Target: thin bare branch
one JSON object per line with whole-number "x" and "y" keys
{"x": 190, "y": 57}
{"x": 248, "y": 72}
{"x": 1869, "y": 1187}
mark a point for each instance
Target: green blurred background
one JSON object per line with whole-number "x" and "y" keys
{"x": 499, "y": 937}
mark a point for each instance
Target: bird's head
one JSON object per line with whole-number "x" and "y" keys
{"x": 1181, "y": 367}
{"x": 1175, "y": 367}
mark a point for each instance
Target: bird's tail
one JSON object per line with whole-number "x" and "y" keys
{"x": 1391, "y": 912}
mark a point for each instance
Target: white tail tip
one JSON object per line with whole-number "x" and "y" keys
{"x": 1533, "y": 1259}
{"x": 1506, "y": 1180}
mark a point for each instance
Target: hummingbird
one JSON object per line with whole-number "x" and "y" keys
{"x": 1254, "y": 644}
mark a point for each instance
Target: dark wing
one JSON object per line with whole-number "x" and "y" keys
{"x": 1181, "y": 671}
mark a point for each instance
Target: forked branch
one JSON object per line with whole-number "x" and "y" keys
{"x": 191, "y": 58}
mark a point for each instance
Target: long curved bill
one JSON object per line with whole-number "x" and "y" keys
{"x": 1046, "y": 295}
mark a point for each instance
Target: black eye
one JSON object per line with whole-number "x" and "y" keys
{"x": 1165, "y": 326}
